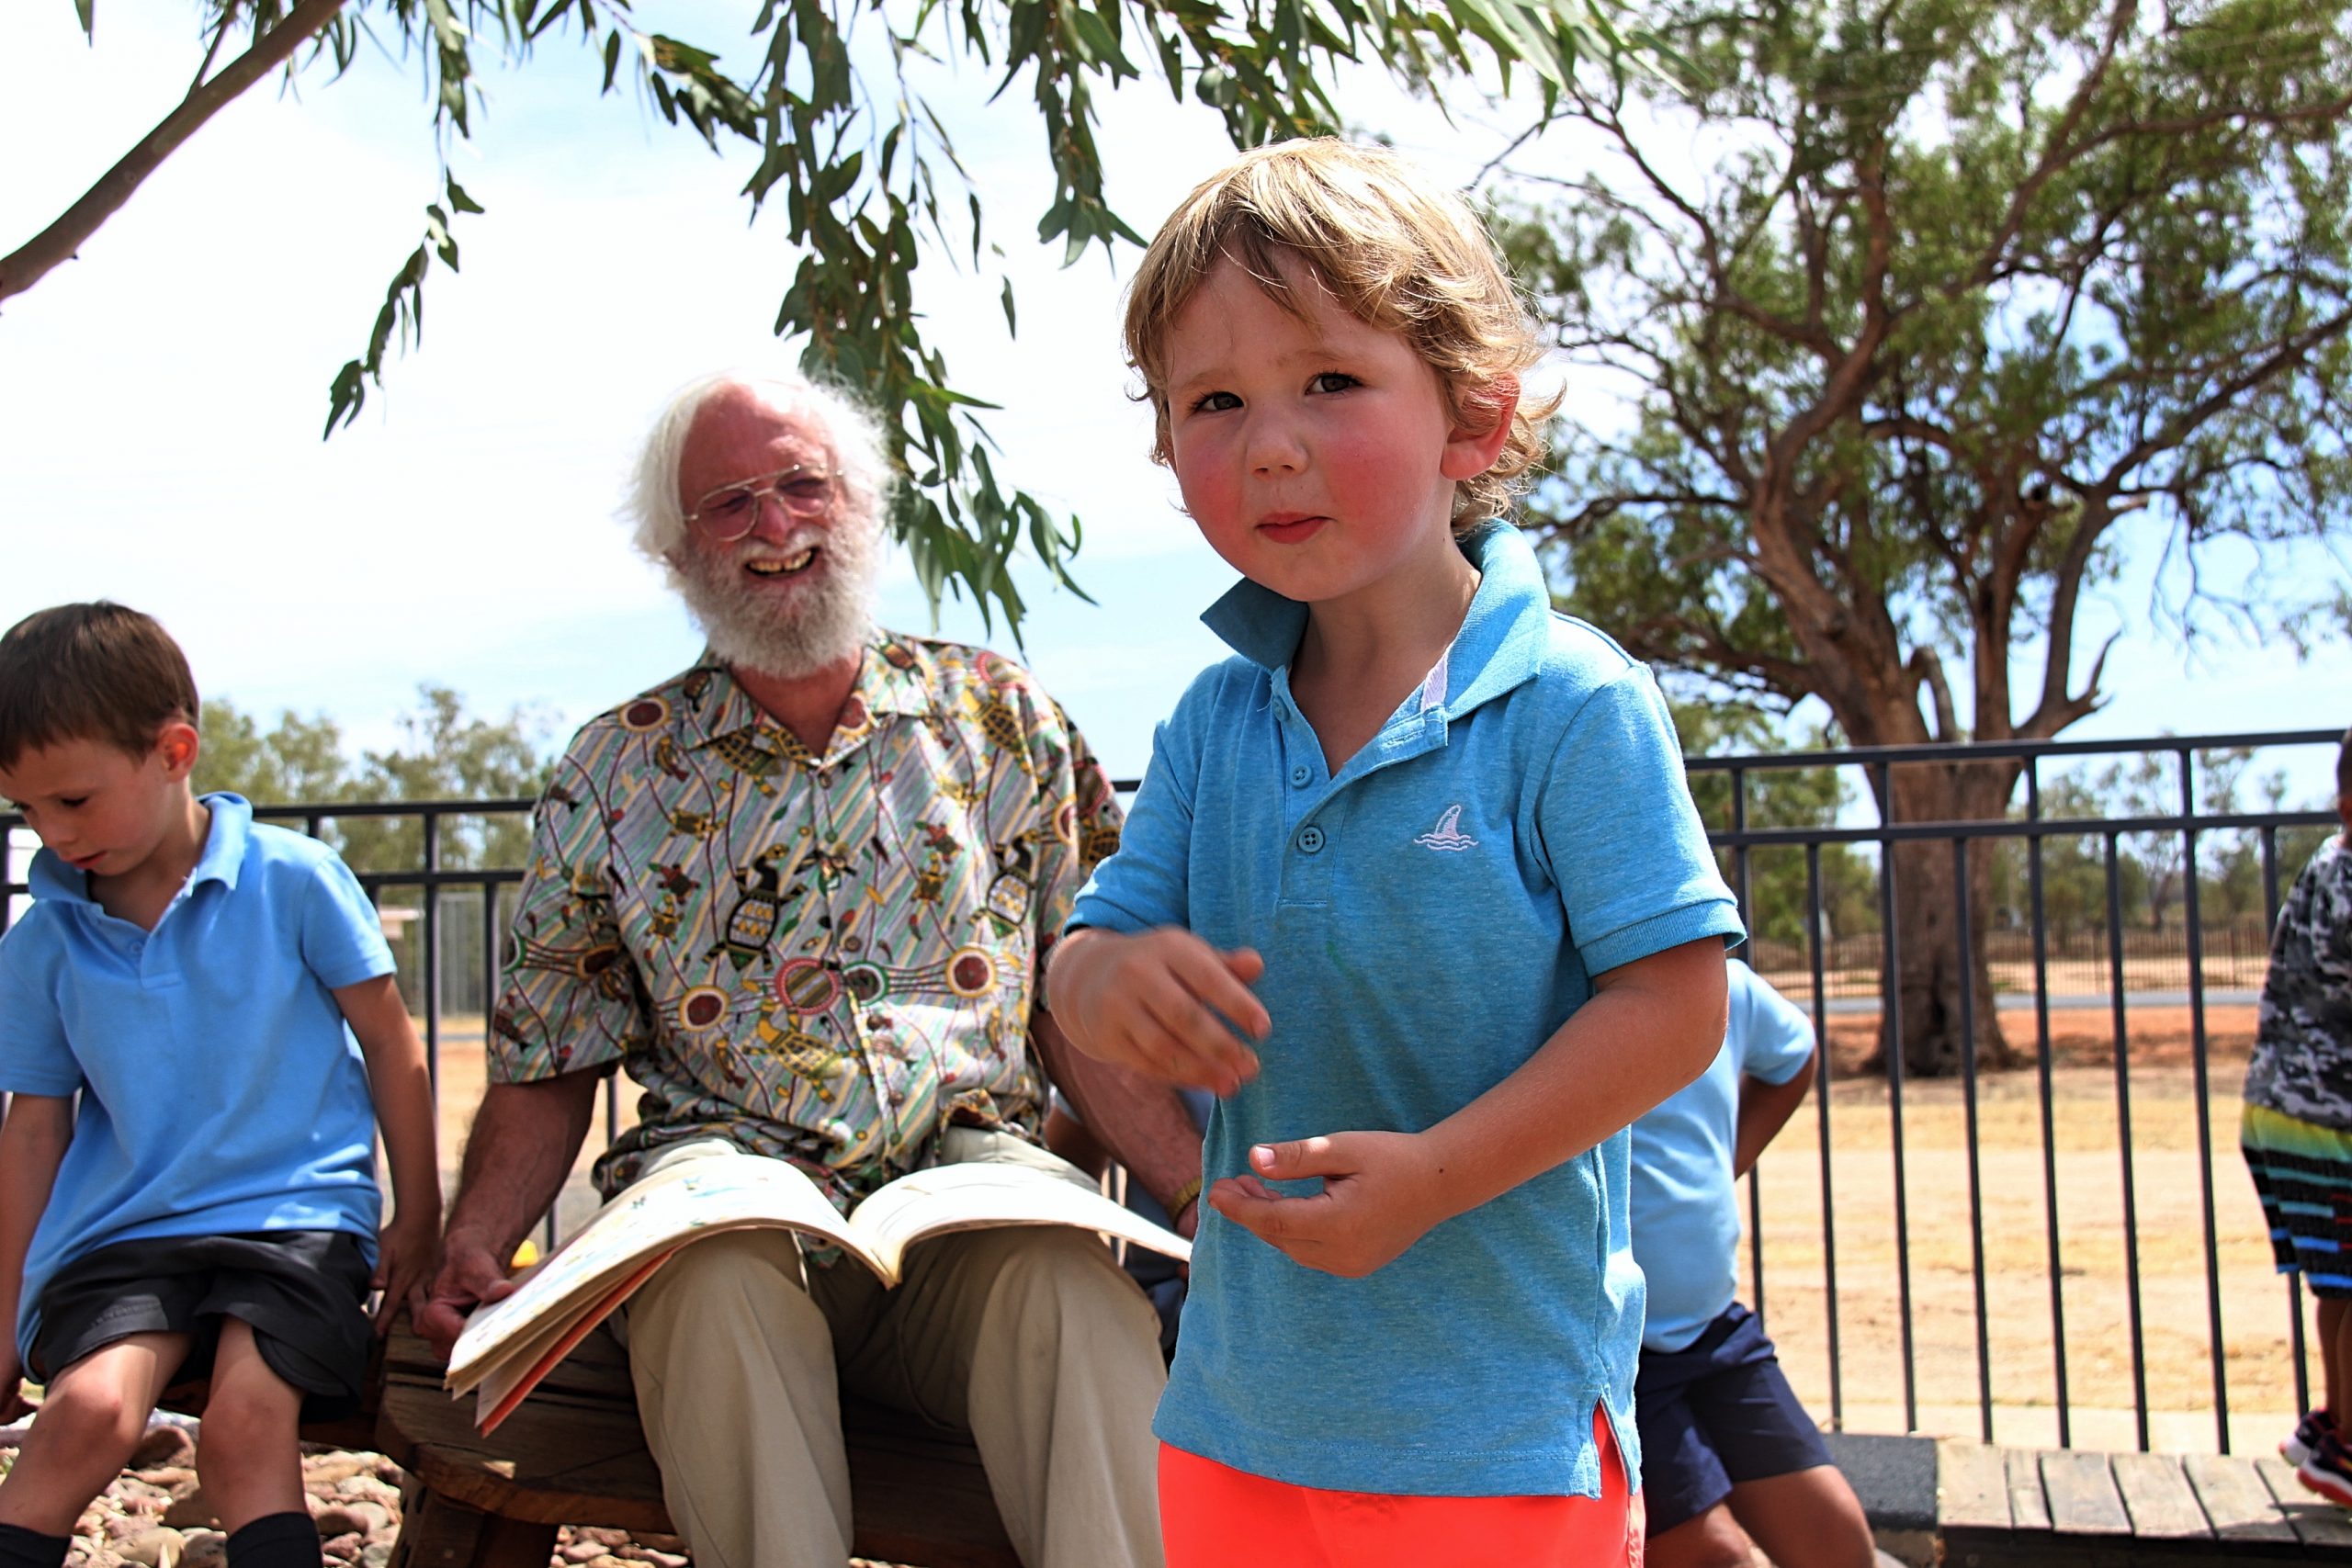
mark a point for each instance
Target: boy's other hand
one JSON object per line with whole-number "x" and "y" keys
{"x": 406, "y": 1251}
{"x": 1379, "y": 1196}
{"x": 1162, "y": 1002}
{"x": 472, "y": 1275}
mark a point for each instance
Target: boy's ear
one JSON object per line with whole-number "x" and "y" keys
{"x": 1484, "y": 430}
{"x": 178, "y": 745}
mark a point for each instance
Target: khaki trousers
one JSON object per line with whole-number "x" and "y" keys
{"x": 1031, "y": 1339}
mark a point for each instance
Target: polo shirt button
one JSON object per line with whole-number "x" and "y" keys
{"x": 1300, "y": 774}
{"x": 1310, "y": 840}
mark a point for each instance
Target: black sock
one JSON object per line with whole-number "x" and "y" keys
{"x": 275, "y": 1541}
{"x": 21, "y": 1548}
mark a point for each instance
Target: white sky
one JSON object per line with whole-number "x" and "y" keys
{"x": 161, "y": 397}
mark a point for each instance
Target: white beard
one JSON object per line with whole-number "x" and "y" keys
{"x": 823, "y": 619}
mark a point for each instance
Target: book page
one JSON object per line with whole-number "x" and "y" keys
{"x": 657, "y": 1216}
{"x": 983, "y": 1193}
{"x": 504, "y": 1387}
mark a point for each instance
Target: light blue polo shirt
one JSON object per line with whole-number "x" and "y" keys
{"x": 1428, "y": 918}
{"x": 221, "y": 1090}
{"x": 1686, "y": 1213}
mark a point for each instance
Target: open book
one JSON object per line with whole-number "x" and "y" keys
{"x": 510, "y": 1345}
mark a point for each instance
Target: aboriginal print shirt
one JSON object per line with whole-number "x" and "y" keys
{"x": 2302, "y": 1042}
{"x": 825, "y": 959}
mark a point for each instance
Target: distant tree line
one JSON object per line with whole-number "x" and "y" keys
{"x": 2152, "y": 872}
{"x": 443, "y": 752}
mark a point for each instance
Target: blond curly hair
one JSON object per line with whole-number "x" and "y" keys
{"x": 1394, "y": 249}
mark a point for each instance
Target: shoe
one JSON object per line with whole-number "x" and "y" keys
{"x": 2303, "y": 1440}
{"x": 2328, "y": 1472}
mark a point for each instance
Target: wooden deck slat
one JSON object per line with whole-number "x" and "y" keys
{"x": 2157, "y": 1497}
{"x": 2317, "y": 1522}
{"x": 1972, "y": 1487}
{"x": 2029, "y": 1508}
{"x": 2083, "y": 1499}
{"x": 2236, "y": 1503}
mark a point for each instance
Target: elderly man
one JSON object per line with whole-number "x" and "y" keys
{"x": 801, "y": 893}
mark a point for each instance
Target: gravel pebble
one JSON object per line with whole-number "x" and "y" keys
{"x": 154, "y": 1515}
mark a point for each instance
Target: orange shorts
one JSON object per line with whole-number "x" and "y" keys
{"x": 1211, "y": 1515}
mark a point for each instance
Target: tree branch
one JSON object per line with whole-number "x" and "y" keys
{"x": 57, "y": 243}
{"x": 1927, "y": 667}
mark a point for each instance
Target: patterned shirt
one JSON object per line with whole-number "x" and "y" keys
{"x": 2302, "y": 1044}
{"x": 825, "y": 959}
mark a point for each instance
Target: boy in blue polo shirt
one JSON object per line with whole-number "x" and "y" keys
{"x": 1427, "y": 844}
{"x": 208, "y": 1209}
{"x": 1726, "y": 1445}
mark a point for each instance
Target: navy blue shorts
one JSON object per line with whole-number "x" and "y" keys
{"x": 1713, "y": 1414}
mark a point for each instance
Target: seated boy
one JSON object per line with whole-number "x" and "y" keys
{"x": 209, "y": 1207}
{"x": 1725, "y": 1446}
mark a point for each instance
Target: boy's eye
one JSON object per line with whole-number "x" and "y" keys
{"x": 74, "y": 802}
{"x": 1333, "y": 381}
{"x": 1215, "y": 403}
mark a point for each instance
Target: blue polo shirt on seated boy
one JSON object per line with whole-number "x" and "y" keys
{"x": 1428, "y": 918}
{"x": 1686, "y": 1214}
{"x": 221, "y": 1091}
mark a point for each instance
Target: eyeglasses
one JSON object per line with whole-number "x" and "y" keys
{"x": 729, "y": 512}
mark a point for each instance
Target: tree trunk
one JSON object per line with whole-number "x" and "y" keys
{"x": 1931, "y": 970}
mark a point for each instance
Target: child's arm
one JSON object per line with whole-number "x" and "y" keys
{"x": 1652, "y": 1026}
{"x": 32, "y": 1145}
{"x": 1152, "y": 1001}
{"x": 404, "y": 1095}
{"x": 1764, "y": 1108}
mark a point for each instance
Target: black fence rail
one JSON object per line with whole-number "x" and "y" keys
{"x": 447, "y": 910}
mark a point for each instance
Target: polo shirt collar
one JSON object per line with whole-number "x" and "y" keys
{"x": 224, "y": 843}
{"x": 224, "y": 853}
{"x": 1500, "y": 644}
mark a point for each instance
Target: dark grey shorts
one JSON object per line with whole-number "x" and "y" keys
{"x": 303, "y": 1292}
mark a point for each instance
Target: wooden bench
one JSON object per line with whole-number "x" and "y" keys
{"x": 2016, "y": 1508}
{"x": 573, "y": 1454}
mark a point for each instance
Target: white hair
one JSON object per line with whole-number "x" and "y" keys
{"x": 853, "y": 434}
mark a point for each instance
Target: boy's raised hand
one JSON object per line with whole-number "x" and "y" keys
{"x": 1382, "y": 1192}
{"x": 1162, "y": 1002}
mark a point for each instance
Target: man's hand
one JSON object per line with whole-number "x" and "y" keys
{"x": 1162, "y": 1002}
{"x": 405, "y": 1252}
{"x": 472, "y": 1275}
{"x": 1381, "y": 1194}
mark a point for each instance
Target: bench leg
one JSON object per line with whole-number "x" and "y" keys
{"x": 439, "y": 1532}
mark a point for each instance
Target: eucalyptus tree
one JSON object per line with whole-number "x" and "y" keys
{"x": 1931, "y": 315}
{"x": 864, "y": 170}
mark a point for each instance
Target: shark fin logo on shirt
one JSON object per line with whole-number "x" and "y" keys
{"x": 1447, "y": 836}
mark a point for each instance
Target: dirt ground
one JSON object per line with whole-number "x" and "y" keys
{"x": 2168, "y": 1195}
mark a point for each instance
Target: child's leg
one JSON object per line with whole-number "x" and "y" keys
{"x": 94, "y": 1416}
{"x": 248, "y": 1454}
{"x": 2335, "y": 1315}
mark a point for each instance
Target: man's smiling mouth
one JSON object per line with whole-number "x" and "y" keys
{"x": 790, "y": 566}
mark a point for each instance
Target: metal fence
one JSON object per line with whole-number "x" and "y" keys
{"x": 2189, "y": 824}
{"x": 448, "y": 923}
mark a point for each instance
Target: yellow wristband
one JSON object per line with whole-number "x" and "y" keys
{"x": 1186, "y": 1196}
